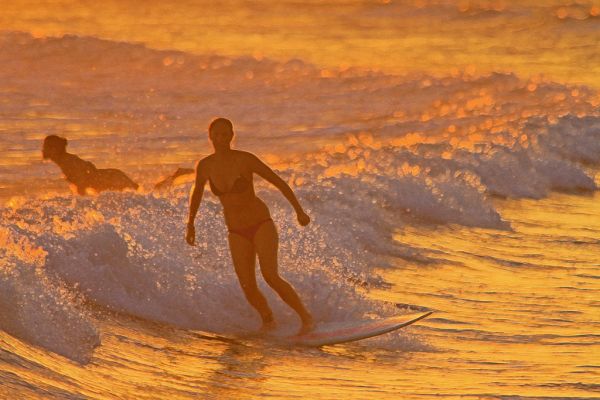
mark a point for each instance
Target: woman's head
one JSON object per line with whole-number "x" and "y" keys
{"x": 54, "y": 146}
{"x": 220, "y": 132}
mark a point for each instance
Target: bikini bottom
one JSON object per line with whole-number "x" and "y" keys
{"x": 250, "y": 231}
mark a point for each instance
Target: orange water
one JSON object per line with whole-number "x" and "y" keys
{"x": 516, "y": 312}
{"x": 554, "y": 38}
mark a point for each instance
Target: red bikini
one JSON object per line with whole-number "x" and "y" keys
{"x": 250, "y": 231}
{"x": 240, "y": 185}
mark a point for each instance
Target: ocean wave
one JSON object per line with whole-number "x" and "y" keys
{"x": 521, "y": 137}
{"x": 368, "y": 153}
{"x": 126, "y": 252}
{"x": 34, "y": 309}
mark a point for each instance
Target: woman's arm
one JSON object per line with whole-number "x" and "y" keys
{"x": 270, "y": 176}
{"x": 195, "y": 200}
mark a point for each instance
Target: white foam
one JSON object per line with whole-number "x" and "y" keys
{"x": 126, "y": 252}
{"x": 37, "y": 310}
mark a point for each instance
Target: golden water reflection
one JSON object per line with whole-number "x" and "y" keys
{"x": 522, "y": 304}
{"x": 516, "y": 313}
{"x": 526, "y": 37}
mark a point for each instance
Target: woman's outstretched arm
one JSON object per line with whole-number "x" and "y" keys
{"x": 195, "y": 200}
{"x": 270, "y": 176}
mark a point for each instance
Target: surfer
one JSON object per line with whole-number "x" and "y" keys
{"x": 252, "y": 232}
{"x": 83, "y": 174}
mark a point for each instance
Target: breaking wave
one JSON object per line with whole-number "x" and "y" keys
{"x": 368, "y": 153}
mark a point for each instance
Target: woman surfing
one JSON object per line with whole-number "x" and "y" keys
{"x": 252, "y": 232}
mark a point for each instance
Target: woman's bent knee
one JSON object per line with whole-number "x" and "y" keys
{"x": 275, "y": 281}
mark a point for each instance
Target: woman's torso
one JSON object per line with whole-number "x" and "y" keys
{"x": 231, "y": 179}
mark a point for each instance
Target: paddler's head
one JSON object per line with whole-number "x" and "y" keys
{"x": 54, "y": 146}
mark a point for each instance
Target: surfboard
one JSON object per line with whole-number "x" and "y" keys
{"x": 335, "y": 333}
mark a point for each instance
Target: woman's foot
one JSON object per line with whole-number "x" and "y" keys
{"x": 268, "y": 326}
{"x": 307, "y": 325}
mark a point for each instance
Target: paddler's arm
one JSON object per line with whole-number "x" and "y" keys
{"x": 195, "y": 200}
{"x": 263, "y": 170}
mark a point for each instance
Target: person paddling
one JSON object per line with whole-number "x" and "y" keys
{"x": 83, "y": 174}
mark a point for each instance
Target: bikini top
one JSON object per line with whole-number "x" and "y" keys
{"x": 240, "y": 185}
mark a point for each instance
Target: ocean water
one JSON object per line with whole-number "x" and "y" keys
{"x": 447, "y": 152}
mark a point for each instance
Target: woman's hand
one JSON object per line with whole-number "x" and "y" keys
{"x": 190, "y": 235}
{"x": 303, "y": 218}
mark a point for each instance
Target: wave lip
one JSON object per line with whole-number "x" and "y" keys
{"x": 34, "y": 309}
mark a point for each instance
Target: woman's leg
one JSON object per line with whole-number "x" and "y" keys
{"x": 244, "y": 257}
{"x": 266, "y": 243}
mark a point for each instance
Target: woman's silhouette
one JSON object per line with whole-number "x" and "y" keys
{"x": 251, "y": 230}
{"x": 83, "y": 174}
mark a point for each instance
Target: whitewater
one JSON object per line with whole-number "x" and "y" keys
{"x": 472, "y": 194}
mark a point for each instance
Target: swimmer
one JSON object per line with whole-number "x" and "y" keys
{"x": 83, "y": 174}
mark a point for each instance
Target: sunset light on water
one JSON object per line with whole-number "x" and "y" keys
{"x": 446, "y": 155}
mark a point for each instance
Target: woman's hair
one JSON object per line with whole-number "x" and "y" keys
{"x": 54, "y": 142}
{"x": 220, "y": 122}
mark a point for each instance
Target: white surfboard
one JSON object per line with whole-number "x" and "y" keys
{"x": 335, "y": 333}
